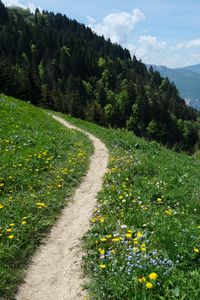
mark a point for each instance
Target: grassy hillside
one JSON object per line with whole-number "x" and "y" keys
{"x": 38, "y": 170}
{"x": 145, "y": 237}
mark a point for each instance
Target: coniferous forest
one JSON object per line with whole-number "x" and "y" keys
{"x": 58, "y": 63}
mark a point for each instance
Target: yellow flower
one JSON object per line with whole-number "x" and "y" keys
{"x": 103, "y": 239}
{"x": 102, "y": 266}
{"x": 11, "y": 236}
{"x": 24, "y": 222}
{"x": 108, "y": 236}
{"x": 116, "y": 239}
{"x": 196, "y": 250}
{"x": 153, "y": 276}
{"x": 139, "y": 234}
{"x": 93, "y": 220}
{"x": 129, "y": 235}
{"x": 169, "y": 212}
{"x": 102, "y": 251}
{"x": 159, "y": 200}
{"x": 120, "y": 197}
{"x": 142, "y": 279}
{"x": 9, "y": 230}
{"x": 12, "y": 224}
{"x": 41, "y": 205}
{"x": 1, "y": 206}
{"x": 143, "y": 248}
{"x": 149, "y": 285}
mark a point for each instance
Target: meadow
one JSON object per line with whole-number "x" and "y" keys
{"x": 144, "y": 241}
{"x": 41, "y": 163}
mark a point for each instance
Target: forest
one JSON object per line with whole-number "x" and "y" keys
{"x": 58, "y": 63}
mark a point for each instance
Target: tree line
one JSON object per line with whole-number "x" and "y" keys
{"x": 58, "y": 63}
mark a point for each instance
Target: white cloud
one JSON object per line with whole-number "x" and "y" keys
{"x": 31, "y": 6}
{"x": 149, "y": 41}
{"x": 149, "y": 49}
{"x": 117, "y": 26}
{"x": 190, "y": 44}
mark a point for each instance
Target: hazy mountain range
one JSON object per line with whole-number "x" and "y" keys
{"x": 187, "y": 80}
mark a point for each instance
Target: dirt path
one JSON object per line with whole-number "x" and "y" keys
{"x": 55, "y": 272}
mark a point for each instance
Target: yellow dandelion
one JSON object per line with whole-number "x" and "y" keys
{"x": 11, "y": 236}
{"x": 196, "y": 250}
{"x": 142, "y": 279}
{"x": 149, "y": 285}
{"x": 102, "y": 251}
{"x": 103, "y": 239}
{"x": 116, "y": 239}
{"x": 1, "y": 206}
{"x": 128, "y": 235}
{"x": 153, "y": 276}
{"x": 102, "y": 266}
{"x": 139, "y": 234}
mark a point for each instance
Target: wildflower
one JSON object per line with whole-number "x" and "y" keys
{"x": 120, "y": 197}
{"x": 196, "y": 250}
{"x": 169, "y": 212}
{"x": 143, "y": 248}
{"x": 149, "y": 285}
{"x": 142, "y": 279}
{"x": 139, "y": 234}
{"x": 116, "y": 239}
{"x": 9, "y": 230}
{"x": 41, "y": 205}
{"x": 93, "y": 220}
{"x": 11, "y": 236}
{"x": 12, "y": 224}
{"x": 1, "y": 206}
{"x": 108, "y": 236}
{"x": 153, "y": 276}
{"x": 159, "y": 200}
{"x": 102, "y": 266}
{"x": 102, "y": 251}
{"x": 129, "y": 235}
{"x": 103, "y": 239}
{"x": 24, "y": 222}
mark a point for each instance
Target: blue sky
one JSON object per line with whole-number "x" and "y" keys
{"x": 161, "y": 32}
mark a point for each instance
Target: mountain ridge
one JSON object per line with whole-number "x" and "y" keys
{"x": 186, "y": 79}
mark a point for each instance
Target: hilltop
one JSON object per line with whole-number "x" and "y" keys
{"x": 58, "y": 63}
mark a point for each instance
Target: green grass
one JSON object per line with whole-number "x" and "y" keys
{"x": 38, "y": 170}
{"x": 147, "y": 221}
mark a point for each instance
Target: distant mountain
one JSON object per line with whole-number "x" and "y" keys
{"x": 187, "y": 80}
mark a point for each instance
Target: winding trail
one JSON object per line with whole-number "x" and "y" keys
{"x": 55, "y": 271}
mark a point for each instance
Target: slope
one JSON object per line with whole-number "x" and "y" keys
{"x": 39, "y": 171}
{"x": 144, "y": 242}
{"x": 55, "y": 271}
{"x": 60, "y": 64}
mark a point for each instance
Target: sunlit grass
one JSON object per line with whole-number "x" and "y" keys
{"x": 147, "y": 222}
{"x": 41, "y": 162}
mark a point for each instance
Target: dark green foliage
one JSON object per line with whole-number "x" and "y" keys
{"x": 60, "y": 64}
